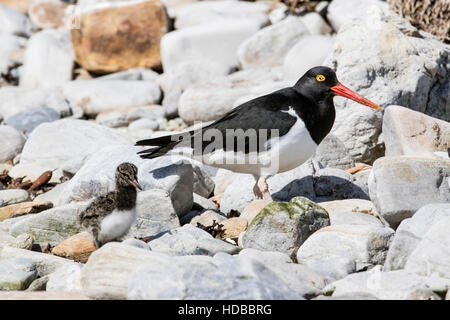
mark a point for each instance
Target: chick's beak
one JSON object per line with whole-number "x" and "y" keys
{"x": 343, "y": 91}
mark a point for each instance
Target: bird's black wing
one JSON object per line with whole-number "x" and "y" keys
{"x": 259, "y": 117}
{"x": 97, "y": 210}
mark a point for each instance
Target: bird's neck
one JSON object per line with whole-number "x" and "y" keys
{"x": 125, "y": 197}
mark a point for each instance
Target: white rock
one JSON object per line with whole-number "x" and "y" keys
{"x": 14, "y": 22}
{"x": 339, "y": 250}
{"x": 14, "y": 100}
{"x": 67, "y": 143}
{"x": 393, "y": 285}
{"x": 66, "y": 279}
{"x": 131, "y": 74}
{"x": 48, "y": 60}
{"x": 431, "y": 255}
{"x": 269, "y": 46}
{"x": 16, "y": 274}
{"x": 207, "y": 12}
{"x": 218, "y": 42}
{"x": 315, "y": 23}
{"x": 332, "y": 152}
{"x": 11, "y": 143}
{"x": 399, "y": 186}
{"x": 370, "y": 56}
{"x": 97, "y": 96}
{"x": 10, "y": 51}
{"x": 310, "y": 51}
{"x": 12, "y": 196}
{"x": 411, "y": 232}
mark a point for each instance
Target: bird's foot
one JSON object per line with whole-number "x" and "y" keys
{"x": 261, "y": 189}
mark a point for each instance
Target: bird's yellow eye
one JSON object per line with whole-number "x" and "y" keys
{"x": 320, "y": 78}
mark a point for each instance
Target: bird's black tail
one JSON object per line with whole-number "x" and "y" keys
{"x": 162, "y": 145}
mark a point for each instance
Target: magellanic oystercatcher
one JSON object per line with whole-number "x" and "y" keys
{"x": 270, "y": 134}
{"x": 110, "y": 216}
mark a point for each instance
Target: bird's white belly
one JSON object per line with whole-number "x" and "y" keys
{"x": 116, "y": 224}
{"x": 285, "y": 153}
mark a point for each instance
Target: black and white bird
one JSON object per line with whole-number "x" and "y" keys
{"x": 110, "y": 216}
{"x": 267, "y": 135}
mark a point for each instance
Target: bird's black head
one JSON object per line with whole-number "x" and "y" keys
{"x": 321, "y": 83}
{"x": 126, "y": 175}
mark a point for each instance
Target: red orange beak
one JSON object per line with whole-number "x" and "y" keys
{"x": 343, "y": 91}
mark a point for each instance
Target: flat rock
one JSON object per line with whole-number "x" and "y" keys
{"x": 78, "y": 247}
{"x": 218, "y": 42}
{"x": 13, "y": 196}
{"x": 412, "y": 133}
{"x": 129, "y": 33}
{"x": 66, "y": 279}
{"x": 11, "y": 143}
{"x": 28, "y": 120}
{"x": 20, "y": 209}
{"x": 123, "y": 117}
{"x": 66, "y": 144}
{"x": 98, "y": 96}
{"x": 339, "y": 250}
{"x": 16, "y": 274}
{"x": 284, "y": 226}
{"x": 221, "y": 277}
{"x": 392, "y": 285}
{"x": 45, "y": 263}
{"x": 313, "y": 49}
{"x": 14, "y": 22}
{"x": 48, "y": 60}
{"x": 411, "y": 232}
{"x": 51, "y": 226}
{"x": 399, "y": 186}
{"x": 268, "y": 47}
{"x": 96, "y": 177}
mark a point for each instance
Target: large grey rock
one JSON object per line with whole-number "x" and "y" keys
{"x": 431, "y": 255}
{"x": 16, "y": 274}
{"x": 51, "y": 226}
{"x": 12, "y": 196}
{"x": 14, "y": 22}
{"x": 370, "y": 56}
{"x": 97, "y": 96}
{"x": 283, "y": 226}
{"x": 269, "y": 46}
{"x": 27, "y": 120}
{"x": 221, "y": 277}
{"x": 411, "y": 133}
{"x": 48, "y": 60}
{"x": 14, "y": 100}
{"x": 66, "y": 279}
{"x": 218, "y": 42}
{"x": 45, "y": 263}
{"x": 300, "y": 279}
{"x": 393, "y": 285}
{"x": 411, "y": 232}
{"x": 66, "y": 144}
{"x": 210, "y": 100}
{"x": 182, "y": 76}
{"x": 206, "y": 12}
{"x": 339, "y": 250}
{"x": 10, "y": 52}
{"x": 308, "y": 52}
{"x": 189, "y": 240}
{"x": 96, "y": 177}
{"x": 399, "y": 186}
{"x": 11, "y": 143}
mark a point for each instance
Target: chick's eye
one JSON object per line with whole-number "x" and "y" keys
{"x": 320, "y": 77}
